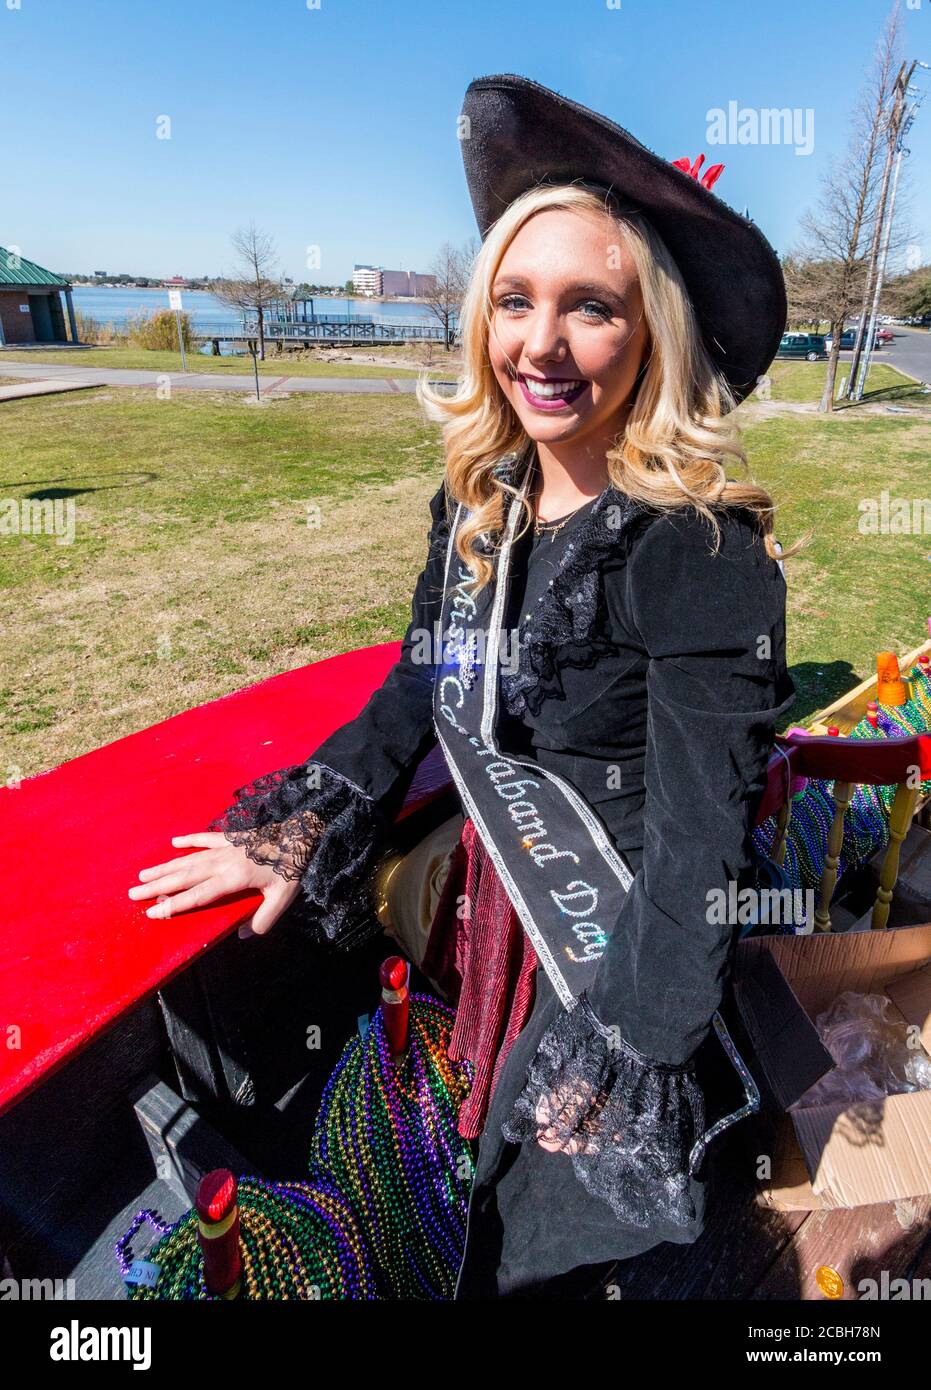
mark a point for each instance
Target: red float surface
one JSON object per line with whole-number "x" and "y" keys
{"x": 75, "y": 951}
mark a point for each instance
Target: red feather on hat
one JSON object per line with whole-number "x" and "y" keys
{"x": 711, "y": 174}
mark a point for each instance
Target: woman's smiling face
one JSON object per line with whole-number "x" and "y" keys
{"x": 567, "y": 333}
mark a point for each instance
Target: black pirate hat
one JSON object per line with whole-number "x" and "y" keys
{"x": 517, "y": 134}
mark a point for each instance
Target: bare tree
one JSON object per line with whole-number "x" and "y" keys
{"x": 450, "y": 273}
{"x": 256, "y": 283}
{"x": 909, "y": 294}
{"x": 810, "y": 289}
{"x": 899, "y": 119}
{"x": 467, "y": 254}
{"x": 828, "y": 274}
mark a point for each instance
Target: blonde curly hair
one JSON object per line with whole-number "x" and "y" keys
{"x": 677, "y": 441}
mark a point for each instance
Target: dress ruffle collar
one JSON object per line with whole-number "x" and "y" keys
{"x": 565, "y": 630}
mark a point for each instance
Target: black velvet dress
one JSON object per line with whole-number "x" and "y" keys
{"x": 651, "y": 675}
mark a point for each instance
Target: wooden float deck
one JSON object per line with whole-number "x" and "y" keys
{"x": 750, "y": 1251}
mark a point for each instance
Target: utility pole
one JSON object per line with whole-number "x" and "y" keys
{"x": 874, "y": 261}
{"x": 900, "y": 122}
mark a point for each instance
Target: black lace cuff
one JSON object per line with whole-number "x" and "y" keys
{"x": 310, "y": 824}
{"x": 628, "y": 1124}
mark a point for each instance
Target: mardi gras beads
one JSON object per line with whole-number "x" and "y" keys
{"x": 297, "y": 1240}
{"x": 387, "y": 1133}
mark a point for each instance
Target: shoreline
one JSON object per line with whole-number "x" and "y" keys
{"x": 163, "y": 289}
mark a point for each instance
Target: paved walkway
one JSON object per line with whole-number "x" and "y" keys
{"x": 207, "y": 381}
{"x": 41, "y": 388}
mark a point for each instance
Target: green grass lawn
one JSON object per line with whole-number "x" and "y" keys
{"x": 804, "y": 381}
{"x": 850, "y": 594}
{"x": 218, "y": 541}
{"x": 143, "y": 359}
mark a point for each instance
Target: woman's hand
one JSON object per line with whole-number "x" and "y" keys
{"x": 567, "y": 1120}
{"x": 194, "y": 880}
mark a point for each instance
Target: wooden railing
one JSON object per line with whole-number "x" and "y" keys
{"x": 849, "y": 762}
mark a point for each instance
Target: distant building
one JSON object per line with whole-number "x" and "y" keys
{"x": 31, "y": 309}
{"x": 177, "y": 282}
{"x": 366, "y": 279}
{"x": 408, "y": 283}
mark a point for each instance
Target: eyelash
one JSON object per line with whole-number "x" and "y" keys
{"x": 604, "y": 313}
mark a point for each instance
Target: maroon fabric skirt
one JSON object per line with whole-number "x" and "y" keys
{"x": 479, "y": 955}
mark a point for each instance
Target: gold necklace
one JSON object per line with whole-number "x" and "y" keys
{"x": 550, "y": 528}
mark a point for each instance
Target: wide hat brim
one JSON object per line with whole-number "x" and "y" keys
{"x": 517, "y": 134}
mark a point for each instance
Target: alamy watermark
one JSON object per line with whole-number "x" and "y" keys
{"x": 763, "y": 125}
{"x": 430, "y": 648}
{"x": 87, "y": 1343}
{"x": 36, "y": 1290}
{"x": 748, "y": 906}
{"x": 32, "y": 516}
{"x": 894, "y": 516}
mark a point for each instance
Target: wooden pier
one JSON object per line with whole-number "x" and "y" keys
{"x": 349, "y": 331}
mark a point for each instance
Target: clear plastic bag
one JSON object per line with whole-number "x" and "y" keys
{"x": 869, "y": 1042}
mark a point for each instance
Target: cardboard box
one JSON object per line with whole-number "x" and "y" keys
{"x": 835, "y": 1156}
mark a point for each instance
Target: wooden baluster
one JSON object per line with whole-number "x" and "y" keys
{"x": 903, "y": 808}
{"x": 842, "y": 794}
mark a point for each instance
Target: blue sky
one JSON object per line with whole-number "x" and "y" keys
{"x": 335, "y": 127}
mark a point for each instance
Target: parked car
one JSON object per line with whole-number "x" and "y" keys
{"x": 849, "y": 338}
{"x": 807, "y": 345}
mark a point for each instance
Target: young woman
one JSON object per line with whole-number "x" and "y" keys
{"x": 612, "y": 672}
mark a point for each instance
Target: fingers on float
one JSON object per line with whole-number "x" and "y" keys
{"x": 198, "y": 896}
{"x": 183, "y": 873}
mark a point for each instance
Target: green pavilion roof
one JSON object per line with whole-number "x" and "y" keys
{"x": 16, "y": 270}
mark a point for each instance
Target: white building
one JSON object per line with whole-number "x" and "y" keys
{"x": 366, "y": 279}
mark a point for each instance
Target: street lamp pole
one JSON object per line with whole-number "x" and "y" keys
{"x": 860, "y": 339}
{"x": 900, "y": 123}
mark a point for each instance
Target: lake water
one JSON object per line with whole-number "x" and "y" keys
{"x": 206, "y": 311}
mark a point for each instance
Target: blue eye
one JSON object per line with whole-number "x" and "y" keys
{"x": 591, "y": 309}
{"x": 601, "y": 310}
{"x": 506, "y": 304}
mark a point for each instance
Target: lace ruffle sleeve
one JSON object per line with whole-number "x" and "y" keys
{"x": 313, "y": 826}
{"x": 327, "y": 822}
{"x": 629, "y": 1125}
